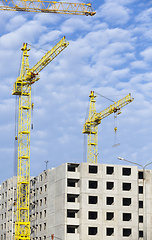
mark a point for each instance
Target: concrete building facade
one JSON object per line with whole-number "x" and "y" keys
{"x": 84, "y": 202}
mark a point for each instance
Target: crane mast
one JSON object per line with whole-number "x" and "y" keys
{"x": 22, "y": 88}
{"x": 47, "y": 6}
{"x": 94, "y": 119}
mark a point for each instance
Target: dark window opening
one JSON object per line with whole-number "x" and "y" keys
{"x": 126, "y": 186}
{"x": 71, "y": 197}
{"x": 109, "y": 215}
{"x": 92, "y": 231}
{"x": 140, "y": 189}
{"x": 71, "y": 229}
{"x": 93, "y": 169}
{"x": 126, "y": 201}
{"x": 72, "y": 182}
{"x": 109, "y": 231}
{"x": 141, "y": 234}
{"x": 92, "y": 215}
{"x": 126, "y": 216}
{"x": 72, "y": 167}
{"x": 126, "y": 232}
{"x": 71, "y": 213}
{"x": 110, "y": 170}
{"x": 141, "y": 219}
{"x": 140, "y": 175}
{"x": 126, "y": 171}
{"x": 93, "y": 184}
{"x": 110, "y": 185}
{"x": 140, "y": 204}
{"x": 93, "y": 199}
{"x": 110, "y": 200}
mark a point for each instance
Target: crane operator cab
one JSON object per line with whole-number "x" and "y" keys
{"x": 17, "y": 88}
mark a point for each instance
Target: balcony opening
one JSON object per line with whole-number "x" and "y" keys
{"x": 110, "y": 185}
{"x": 93, "y": 184}
{"x": 110, "y": 200}
{"x": 93, "y": 200}
{"x": 92, "y": 215}
{"x": 71, "y": 213}
{"x": 72, "y": 182}
{"x": 126, "y": 232}
{"x": 110, "y": 170}
{"x": 126, "y": 171}
{"x": 72, "y": 167}
{"x": 126, "y": 186}
{"x": 71, "y": 228}
{"x": 126, "y": 216}
{"x": 126, "y": 201}
{"x": 92, "y": 230}
{"x": 110, "y": 231}
{"x": 109, "y": 216}
{"x": 72, "y": 197}
{"x": 93, "y": 169}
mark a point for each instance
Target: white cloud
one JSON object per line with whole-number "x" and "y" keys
{"x": 110, "y": 60}
{"x": 115, "y": 13}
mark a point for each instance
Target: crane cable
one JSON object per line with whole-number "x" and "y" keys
{"x": 115, "y": 121}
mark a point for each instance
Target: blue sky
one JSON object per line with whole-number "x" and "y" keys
{"x": 110, "y": 53}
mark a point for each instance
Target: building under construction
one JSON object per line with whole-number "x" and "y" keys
{"x": 83, "y": 201}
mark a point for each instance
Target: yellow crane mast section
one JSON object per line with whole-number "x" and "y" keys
{"x": 22, "y": 88}
{"x": 94, "y": 119}
{"x": 47, "y": 6}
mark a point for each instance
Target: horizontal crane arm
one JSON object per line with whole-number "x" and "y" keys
{"x": 114, "y": 108}
{"x": 46, "y": 59}
{"x": 47, "y": 6}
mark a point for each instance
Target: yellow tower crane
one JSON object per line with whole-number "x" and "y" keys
{"x": 94, "y": 119}
{"x": 22, "y": 88}
{"x": 46, "y": 6}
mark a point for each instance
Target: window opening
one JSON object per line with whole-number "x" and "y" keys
{"x": 109, "y": 215}
{"x": 126, "y": 171}
{"x": 92, "y": 231}
{"x": 140, "y": 189}
{"x": 141, "y": 219}
{"x": 126, "y": 232}
{"x": 126, "y": 216}
{"x": 126, "y": 186}
{"x": 110, "y": 170}
{"x": 140, "y": 175}
{"x": 110, "y": 185}
{"x": 110, "y": 200}
{"x": 126, "y": 201}
{"x": 109, "y": 231}
{"x": 93, "y": 200}
{"x": 140, "y": 204}
{"x": 93, "y": 184}
{"x": 92, "y": 215}
{"x": 93, "y": 169}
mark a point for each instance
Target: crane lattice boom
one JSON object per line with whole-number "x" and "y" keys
{"x": 22, "y": 88}
{"x": 94, "y": 119}
{"x": 47, "y": 6}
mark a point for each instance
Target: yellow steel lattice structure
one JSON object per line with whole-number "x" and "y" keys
{"x": 47, "y": 6}
{"x": 94, "y": 119}
{"x": 22, "y": 88}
